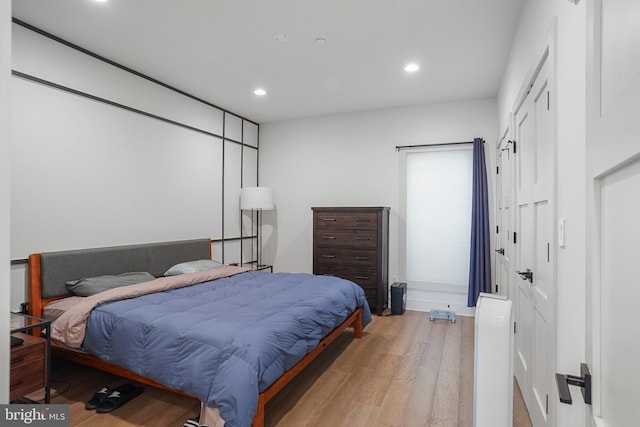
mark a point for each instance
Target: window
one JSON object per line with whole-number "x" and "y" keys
{"x": 437, "y": 202}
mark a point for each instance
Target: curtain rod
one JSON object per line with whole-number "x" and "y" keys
{"x": 404, "y": 147}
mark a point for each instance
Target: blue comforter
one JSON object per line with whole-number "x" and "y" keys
{"x": 226, "y": 340}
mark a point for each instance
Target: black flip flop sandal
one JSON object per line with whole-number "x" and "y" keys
{"x": 118, "y": 397}
{"x": 98, "y": 398}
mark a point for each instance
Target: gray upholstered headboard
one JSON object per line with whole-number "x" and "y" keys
{"x": 56, "y": 268}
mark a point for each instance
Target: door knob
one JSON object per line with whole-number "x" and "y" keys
{"x": 500, "y": 251}
{"x": 526, "y": 275}
{"x": 584, "y": 382}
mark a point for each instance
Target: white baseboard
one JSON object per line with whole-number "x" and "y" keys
{"x": 427, "y": 298}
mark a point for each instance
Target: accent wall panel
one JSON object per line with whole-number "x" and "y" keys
{"x": 249, "y": 167}
{"x": 232, "y": 185}
{"x": 249, "y": 179}
{"x": 250, "y": 133}
{"x": 233, "y": 127}
{"x": 44, "y": 58}
{"x": 231, "y": 252}
{"x": 85, "y": 173}
{"x": 104, "y": 155}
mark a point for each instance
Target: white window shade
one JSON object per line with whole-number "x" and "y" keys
{"x": 438, "y": 216}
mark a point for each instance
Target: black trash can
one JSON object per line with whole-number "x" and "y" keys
{"x": 398, "y": 298}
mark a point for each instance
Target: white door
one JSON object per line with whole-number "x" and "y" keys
{"x": 504, "y": 199}
{"x": 534, "y": 126}
{"x": 613, "y": 211}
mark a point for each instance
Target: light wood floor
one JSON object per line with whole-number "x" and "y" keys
{"x": 406, "y": 371}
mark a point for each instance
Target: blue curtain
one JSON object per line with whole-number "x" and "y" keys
{"x": 480, "y": 263}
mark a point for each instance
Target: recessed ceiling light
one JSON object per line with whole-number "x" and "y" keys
{"x": 100, "y": 1}
{"x": 260, "y": 92}
{"x": 411, "y": 68}
{"x": 320, "y": 40}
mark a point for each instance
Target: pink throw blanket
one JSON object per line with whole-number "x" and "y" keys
{"x": 69, "y": 328}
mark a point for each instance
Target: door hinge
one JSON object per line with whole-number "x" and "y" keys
{"x": 496, "y": 288}
{"x": 497, "y": 170}
{"x": 497, "y": 229}
{"x": 515, "y": 237}
{"x": 514, "y": 327}
{"x": 514, "y": 146}
{"x": 548, "y": 102}
{"x": 547, "y": 405}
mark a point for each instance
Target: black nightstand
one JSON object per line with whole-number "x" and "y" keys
{"x": 30, "y": 360}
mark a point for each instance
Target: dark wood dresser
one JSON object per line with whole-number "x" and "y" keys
{"x": 353, "y": 243}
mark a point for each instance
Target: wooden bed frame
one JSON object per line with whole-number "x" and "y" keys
{"x": 37, "y": 302}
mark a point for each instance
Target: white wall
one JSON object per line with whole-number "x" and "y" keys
{"x": 350, "y": 160}
{"x": 5, "y": 141}
{"x": 533, "y": 32}
{"x": 115, "y": 159}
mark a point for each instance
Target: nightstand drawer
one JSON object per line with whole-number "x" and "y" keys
{"x": 347, "y": 220}
{"x": 26, "y": 378}
{"x": 28, "y": 366}
{"x": 26, "y": 353}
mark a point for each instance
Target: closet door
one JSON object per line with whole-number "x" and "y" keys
{"x": 534, "y": 273}
{"x": 504, "y": 212}
{"x": 613, "y": 209}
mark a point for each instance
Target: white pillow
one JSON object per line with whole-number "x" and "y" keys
{"x": 192, "y": 267}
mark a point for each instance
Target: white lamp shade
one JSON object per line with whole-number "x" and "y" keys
{"x": 256, "y": 198}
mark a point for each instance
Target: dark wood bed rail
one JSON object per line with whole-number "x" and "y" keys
{"x": 354, "y": 319}
{"x": 37, "y": 303}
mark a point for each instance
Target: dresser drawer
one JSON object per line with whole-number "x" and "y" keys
{"x": 367, "y": 279}
{"x": 372, "y": 300}
{"x": 347, "y": 220}
{"x": 347, "y": 238}
{"x": 337, "y": 256}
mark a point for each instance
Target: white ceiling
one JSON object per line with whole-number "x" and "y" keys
{"x": 221, "y": 50}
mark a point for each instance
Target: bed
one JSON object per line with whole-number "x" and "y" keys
{"x": 204, "y": 327}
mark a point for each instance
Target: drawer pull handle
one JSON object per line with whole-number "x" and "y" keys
{"x": 362, "y": 258}
{"x": 363, "y": 238}
{"x": 362, "y": 277}
{"x": 329, "y": 237}
{"x": 328, "y": 256}
{"x": 329, "y": 219}
{"x": 17, "y": 360}
{"x": 362, "y": 220}
{"x": 16, "y": 384}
